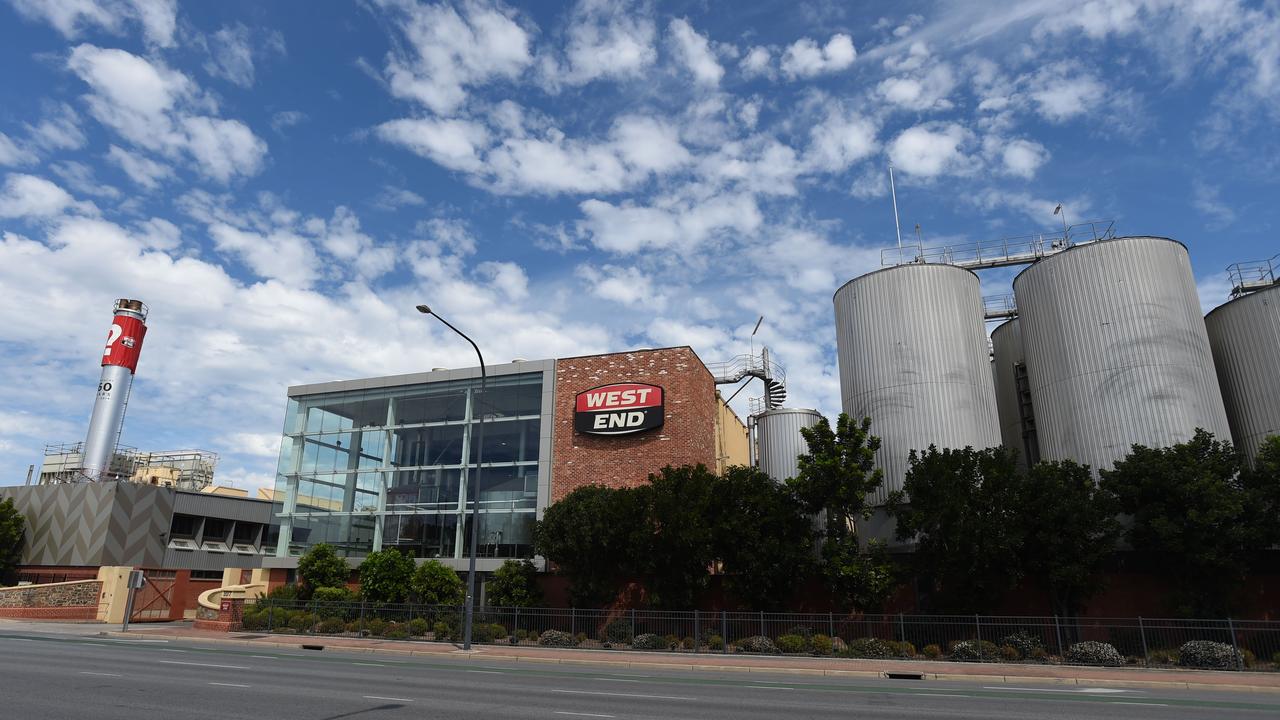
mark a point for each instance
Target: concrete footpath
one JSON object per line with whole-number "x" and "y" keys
{"x": 1172, "y": 678}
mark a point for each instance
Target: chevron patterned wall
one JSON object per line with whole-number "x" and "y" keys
{"x": 90, "y": 524}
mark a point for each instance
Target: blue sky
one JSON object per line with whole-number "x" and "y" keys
{"x": 282, "y": 182}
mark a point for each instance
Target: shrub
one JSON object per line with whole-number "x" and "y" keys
{"x": 253, "y": 621}
{"x": 1023, "y": 641}
{"x": 1209, "y": 655}
{"x": 385, "y": 576}
{"x": 1039, "y": 655}
{"x": 822, "y": 645}
{"x": 906, "y": 649}
{"x": 757, "y": 644}
{"x": 556, "y": 638}
{"x": 617, "y": 631}
{"x": 672, "y": 641}
{"x": 434, "y": 584}
{"x": 515, "y": 584}
{"x": 791, "y": 643}
{"x": 331, "y": 626}
{"x": 324, "y": 595}
{"x": 579, "y": 638}
{"x": 687, "y": 643}
{"x": 715, "y": 642}
{"x": 648, "y": 641}
{"x": 1009, "y": 653}
{"x": 487, "y": 632}
{"x": 396, "y": 631}
{"x": 301, "y": 621}
{"x": 1275, "y": 658}
{"x": 974, "y": 651}
{"x": 1249, "y": 658}
{"x": 285, "y": 593}
{"x": 520, "y": 635}
{"x": 376, "y": 626}
{"x": 442, "y": 631}
{"x": 320, "y": 567}
{"x": 1091, "y": 652}
{"x": 932, "y": 651}
{"x": 870, "y": 648}
{"x": 419, "y": 627}
{"x": 802, "y": 631}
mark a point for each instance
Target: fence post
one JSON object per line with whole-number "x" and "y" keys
{"x": 1231, "y": 628}
{"x": 270, "y": 616}
{"x": 573, "y": 622}
{"x": 978, "y": 624}
{"x": 1058, "y": 631}
{"x": 902, "y": 629}
{"x": 1142, "y": 632}
{"x": 360, "y": 626}
{"x": 831, "y": 625}
{"x": 697, "y": 635}
{"x": 516, "y": 626}
{"x": 724, "y": 632}
{"x": 762, "y": 622}
{"x": 633, "y": 624}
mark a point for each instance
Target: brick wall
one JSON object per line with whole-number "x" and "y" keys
{"x": 686, "y": 437}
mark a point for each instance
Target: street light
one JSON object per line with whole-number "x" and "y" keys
{"x": 475, "y": 504}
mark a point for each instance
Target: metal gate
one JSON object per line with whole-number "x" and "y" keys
{"x": 154, "y": 601}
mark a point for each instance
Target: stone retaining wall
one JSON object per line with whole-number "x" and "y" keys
{"x": 76, "y": 594}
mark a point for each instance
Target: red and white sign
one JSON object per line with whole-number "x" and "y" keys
{"x": 124, "y": 342}
{"x": 619, "y": 409}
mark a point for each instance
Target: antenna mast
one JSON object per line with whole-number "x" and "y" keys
{"x": 894, "y": 191}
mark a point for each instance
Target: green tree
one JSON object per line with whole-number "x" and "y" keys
{"x": 1262, "y": 484}
{"x": 514, "y": 584}
{"x": 962, "y": 509}
{"x": 595, "y": 536}
{"x": 761, "y": 536}
{"x": 385, "y": 576}
{"x": 1069, "y": 531}
{"x": 321, "y": 567}
{"x": 12, "y": 535}
{"x": 678, "y": 539}
{"x": 1188, "y": 508}
{"x": 835, "y": 477}
{"x": 435, "y": 584}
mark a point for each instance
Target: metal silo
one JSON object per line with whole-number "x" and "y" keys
{"x": 1116, "y": 350}
{"x": 779, "y": 441}
{"x": 913, "y": 356}
{"x": 1245, "y": 337}
{"x": 1013, "y": 402}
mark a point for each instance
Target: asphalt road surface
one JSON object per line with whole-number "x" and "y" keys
{"x": 47, "y": 675}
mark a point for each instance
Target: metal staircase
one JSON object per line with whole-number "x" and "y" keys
{"x": 757, "y": 366}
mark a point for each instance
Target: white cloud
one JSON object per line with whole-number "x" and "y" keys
{"x": 143, "y": 170}
{"x": 756, "y": 61}
{"x": 392, "y": 198}
{"x": 804, "y": 58}
{"x": 281, "y": 255}
{"x": 1208, "y": 200}
{"x": 232, "y": 50}
{"x": 59, "y": 130}
{"x": 455, "y": 144}
{"x": 72, "y": 18}
{"x": 450, "y": 50}
{"x": 285, "y": 119}
{"x": 679, "y": 224}
{"x": 1062, "y": 91}
{"x": 925, "y": 90}
{"x": 605, "y": 39}
{"x": 161, "y": 110}
{"x": 31, "y": 197}
{"x": 669, "y": 332}
{"x": 694, "y": 52}
{"x": 1023, "y": 157}
{"x": 626, "y": 285}
{"x": 840, "y": 140}
{"x": 507, "y": 277}
{"x": 80, "y": 178}
{"x": 929, "y": 150}
{"x": 13, "y": 154}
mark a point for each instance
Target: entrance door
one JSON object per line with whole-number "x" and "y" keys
{"x": 154, "y": 601}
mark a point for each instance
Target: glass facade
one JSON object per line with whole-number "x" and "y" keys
{"x": 364, "y": 470}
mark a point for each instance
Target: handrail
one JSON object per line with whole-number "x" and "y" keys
{"x": 1011, "y": 250}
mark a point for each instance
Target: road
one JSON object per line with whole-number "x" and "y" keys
{"x": 65, "y": 675}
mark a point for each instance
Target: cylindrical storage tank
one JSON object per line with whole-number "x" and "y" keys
{"x": 912, "y": 346}
{"x": 1116, "y": 350}
{"x": 779, "y": 441}
{"x": 1245, "y": 337}
{"x": 1008, "y": 366}
{"x": 119, "y": 362}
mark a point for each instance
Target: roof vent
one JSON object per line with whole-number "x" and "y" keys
{"x": 438, "y": 369}
{"x": 516, "y": 360}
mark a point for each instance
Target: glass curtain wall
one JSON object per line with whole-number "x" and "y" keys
{"x": 370, "y": 469}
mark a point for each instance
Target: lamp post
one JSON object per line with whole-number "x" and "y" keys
{"x": 475, "y": 503}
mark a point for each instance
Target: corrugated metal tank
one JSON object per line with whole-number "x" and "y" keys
{"x": 779, "y": 441}
{"x": 1116, "y": 349}
{"x": 1245, "y": 337}
{"x": 912, "y": 347}
{"x": 1007, "y": 355}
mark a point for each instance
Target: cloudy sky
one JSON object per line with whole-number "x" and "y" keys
{"x": 282, "y": 182}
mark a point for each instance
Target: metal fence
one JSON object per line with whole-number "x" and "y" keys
{"x": 1149, "y": 642}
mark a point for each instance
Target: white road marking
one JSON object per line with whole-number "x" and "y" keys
{"x": 370, "y": 664}
{"x": 380, "y": 697}
{"x": 170, "y": 650}
{"x": 615, "y": 680}
{"x": 630, "y": 695}
{"x": 1105, "y": 690}
{"x": 565, "y": 712}
{"x": 230, "y": 685}
{"x": 1130, "y": 702}
{"x": 229, "y": 667}
{"x": 127, "y": 640}
{"x": 264, "y": 657}
{"x": 1051, "y": 690}
{"x": 932, "y": 694}
{"x": 771, "y": 687}
{"x": 486, "y": 672}
{"x": 86, "y": 672}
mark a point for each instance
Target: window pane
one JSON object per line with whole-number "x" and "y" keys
{"x": 425, "y": 536}
{"x": 426, "y": 489}
{"x": 426, "y": 407}
{"x": 507, "y": 441}
{"x": 440, "y": 445}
